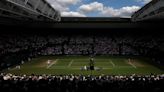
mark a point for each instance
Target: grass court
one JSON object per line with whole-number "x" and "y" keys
{"x": 64, "y": 65}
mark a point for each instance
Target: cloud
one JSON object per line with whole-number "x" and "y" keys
{"x": 144, "y": 1}
{"x": 122, "y": 12}
{"x": 67, "y": 2}
{"x": 72, "y": 14}
{"x": 64, "y": 2}
{"x": 58, "y": 6}
{"x": 63, "y": 5}
{"x": 107, "y": 11}
{"x": 95, "y": 6}
{"x": 101, "y": 10}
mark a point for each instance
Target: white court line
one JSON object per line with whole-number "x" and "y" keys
{"x": 112, "y": 63}
{"x": 132, "y": 64}
{"x": 52, "y": 63}
{"x": 78, "y": 67}
{"x": 70, "y": 63}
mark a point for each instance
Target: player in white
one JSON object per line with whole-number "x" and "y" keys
{"x": 22, "y": 62}
{"x": 18, "y": 67}
{"x": 48, "y": 62}
{"x": 85, "y": 67}
{"x": 129, "y": 60}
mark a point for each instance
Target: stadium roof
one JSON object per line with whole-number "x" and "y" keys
{"x": 94, "y": 19}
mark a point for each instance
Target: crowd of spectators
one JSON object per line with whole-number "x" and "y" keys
{"x": 22, "y": 47}
{"x": 55, "y": 44}
{"x": 80, "y": 83}
{"x": 17, "y": 49}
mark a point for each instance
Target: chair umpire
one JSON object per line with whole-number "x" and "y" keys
{"x": 91, "y": 63}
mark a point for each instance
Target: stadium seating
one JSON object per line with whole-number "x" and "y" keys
{"x": 80, "y": 83}
{"x": 14, "y": 48}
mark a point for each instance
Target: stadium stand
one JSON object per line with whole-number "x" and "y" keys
{"x": 151, "y": 11}
{"x": 80, "y": 83}
{"x": 94, "y": 19}
{"x": 25, "y": 10}
{"x": 17, "y": 47}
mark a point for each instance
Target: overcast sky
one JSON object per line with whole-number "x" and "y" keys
{"x": 97, "y": 8}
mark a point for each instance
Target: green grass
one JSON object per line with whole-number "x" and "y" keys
{"x": 62, "y": 65}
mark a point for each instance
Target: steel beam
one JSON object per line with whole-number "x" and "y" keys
{"x": 25, "y": 2}
{"x": 37, "y": 4}
{"x": 44, "y": 8}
